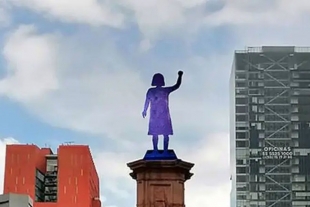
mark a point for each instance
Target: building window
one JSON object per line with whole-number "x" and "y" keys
{"x": 51, "y": 164}
{"x": 39, "y": 195}
{"x": 241, "y": 187}
{"x": 242, "y": 144}
{"x": 241, "y": 101}
{"x": 241, "y": 109}
{"x": 241, "y": 153}
{"x": 240, "y": 76}
{"x": 241, "y": 92}
{"x": 39, "y": 175}
{"x": 241, "y": 118}
{"x": 239, "y": 162}
{"x": 39, "y": 186}
{"x": 294, "y": 100}
{"x": 241, "y": 170}
{"x": 294, "y": 118}
{"x": 254, "y": 99}
{"x": 241, "y": 197}
{"x": 241, "y": 135}
{"x": 242, "y": 128}
{"x": 241, "y": 178}
{"x": 241, "y": 84}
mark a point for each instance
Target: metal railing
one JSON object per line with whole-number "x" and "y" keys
{"x": 260, "y": 50}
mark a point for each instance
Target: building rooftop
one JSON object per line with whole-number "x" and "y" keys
{"x": 262, "y": 49}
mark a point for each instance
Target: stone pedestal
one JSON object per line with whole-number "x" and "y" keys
{"x": 160, "y": 182}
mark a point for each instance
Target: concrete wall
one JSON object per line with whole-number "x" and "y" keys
{"x": 15, "y": 200}
{"x": 4, "y": 200}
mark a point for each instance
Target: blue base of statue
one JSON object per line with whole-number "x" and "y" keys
{"x": 160, "y": 155}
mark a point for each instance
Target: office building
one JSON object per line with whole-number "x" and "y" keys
{"x": 68, "y": 178}
{"x": 270, "y": 127}
{"x": 15, "y": 200}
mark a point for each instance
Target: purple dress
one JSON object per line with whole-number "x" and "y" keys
{"x": 160, "y": 121}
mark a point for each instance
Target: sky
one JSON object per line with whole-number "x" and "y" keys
{"x": 79, "y": 70}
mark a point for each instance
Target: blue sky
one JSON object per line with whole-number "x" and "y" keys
{"x": 79, "y": 70}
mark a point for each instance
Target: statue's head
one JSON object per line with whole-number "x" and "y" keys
{"x": 158, "y": 80}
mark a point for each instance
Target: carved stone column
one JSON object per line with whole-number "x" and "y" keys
{"x": 160, "y": 183}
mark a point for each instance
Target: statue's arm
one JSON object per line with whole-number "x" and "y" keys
{"x": 147, "y": 101}
{"x": 177, "y": 85}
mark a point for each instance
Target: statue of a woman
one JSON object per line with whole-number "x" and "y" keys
{"x": 158, "y": 98}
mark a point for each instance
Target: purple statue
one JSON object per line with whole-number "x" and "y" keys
{"x": 158, "y": 97}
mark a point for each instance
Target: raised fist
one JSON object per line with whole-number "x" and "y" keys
{"x": 180, "y": 73}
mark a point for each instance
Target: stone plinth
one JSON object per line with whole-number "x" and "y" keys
{"x": 160, "y": 183}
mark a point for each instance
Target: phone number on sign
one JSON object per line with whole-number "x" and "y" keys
{"x": 277, "y": 153}
{"x": 277, "y": 157}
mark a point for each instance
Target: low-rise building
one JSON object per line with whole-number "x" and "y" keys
{"x": 15, "y": 200}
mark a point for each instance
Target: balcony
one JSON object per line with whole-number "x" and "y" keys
{"x": 51, "y": 174}
{"x": 50, "y": 182}
{"x": 51, "y": 193}
{"x": 50, "y": 198}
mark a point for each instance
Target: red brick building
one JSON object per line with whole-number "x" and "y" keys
{"x": 66, "y": 179}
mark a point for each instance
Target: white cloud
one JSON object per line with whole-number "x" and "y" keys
{"x": 3, "y": 143}
{"x": 5, "y": 17}
{"x": 31, "y": 67}
{"x": 259, "y": 12}
{"x": 90, "y": 12}
{"x": 172, "y": 16}
{"x": 116, "y": 102}
{"x": 107, "y": 98}
{"x": 167, "y": 15}
{"x": 116, "y": 180}
{"x": 210, "y": 185}
{"x": 145, "y": 45}
{"x": 157, "y": 18}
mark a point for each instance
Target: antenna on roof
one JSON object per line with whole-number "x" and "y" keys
{"x": 69, "y": 143}
{"x": 47, "y": 145}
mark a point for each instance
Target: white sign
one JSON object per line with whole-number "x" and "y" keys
{"x": 277, "y": 153}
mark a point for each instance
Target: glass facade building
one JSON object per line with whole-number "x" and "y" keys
{"x": 270, "y": 127}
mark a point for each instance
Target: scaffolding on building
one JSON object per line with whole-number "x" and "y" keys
{"x": 273, "y": 115}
